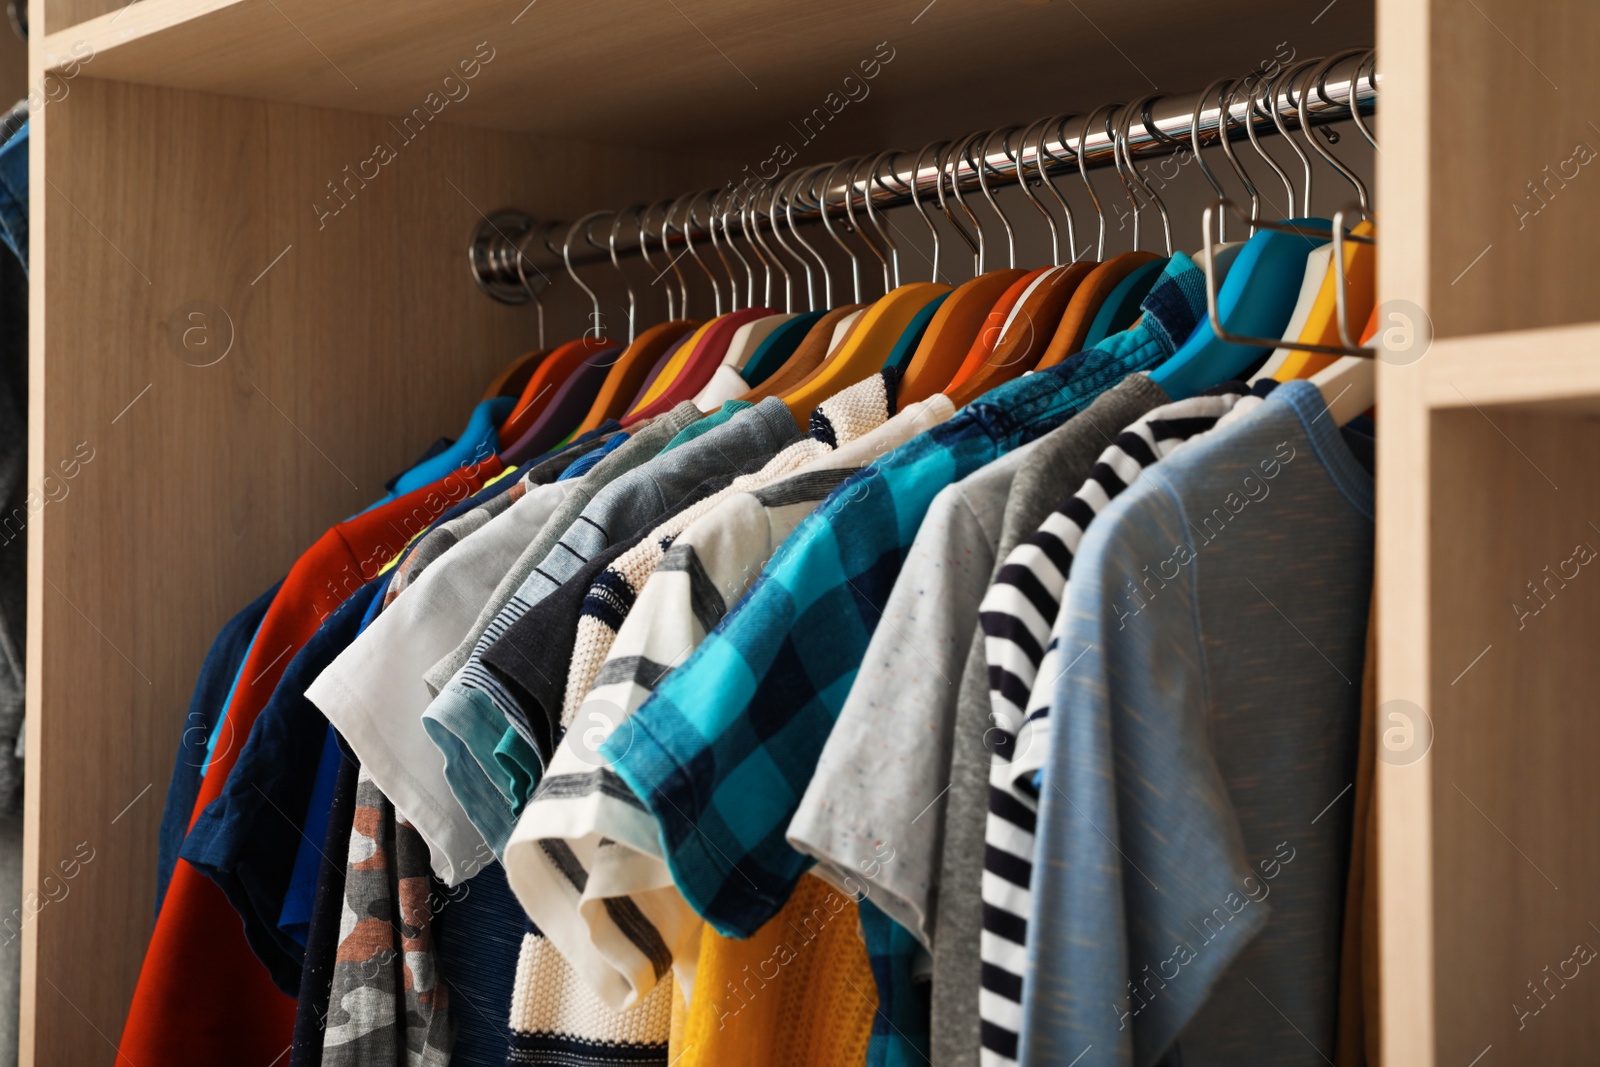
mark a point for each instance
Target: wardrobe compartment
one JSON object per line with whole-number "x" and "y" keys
{"x": 250, "y": 306}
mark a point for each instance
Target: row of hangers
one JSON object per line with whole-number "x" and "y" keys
{"x": 1294, "y": 287}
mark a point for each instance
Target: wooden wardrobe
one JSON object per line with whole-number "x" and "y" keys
{"x": 250, "y": 330}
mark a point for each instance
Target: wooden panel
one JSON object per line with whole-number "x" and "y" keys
{"x": 356, "y": 339}
{"x": 1403, "y": 789}
{"x": 1515, "y": 497}
{"x": 1544, "y": 367}
{"x": 700, "y": 70}
{"x": 1516, "y": 197}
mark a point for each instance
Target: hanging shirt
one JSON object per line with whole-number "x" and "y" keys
{"x": 797, "y": 994}
{"x": 202, "y": 996}
{"x": 615, "y": 938}
{"x": 1017, "y": 614}
{"x": 780, "y": 667}
{"x": 387, "y": 1003}
{"x": 645, "y": 444}
{"x": 247, "y": 838}
{"x": 323, "y": 920}
{"x": 206, "y": 706}
{"x": 1185, "y": 888}
{"x": 1060, "y": 458}
{"x": 391, "y": 741}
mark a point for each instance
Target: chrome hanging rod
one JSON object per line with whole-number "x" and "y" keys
{"x": 1166, "y": 126}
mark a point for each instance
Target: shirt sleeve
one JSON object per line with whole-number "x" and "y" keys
{"x": 865, "y": 816}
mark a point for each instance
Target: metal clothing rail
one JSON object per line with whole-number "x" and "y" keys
{"x": 1163, "y": 126}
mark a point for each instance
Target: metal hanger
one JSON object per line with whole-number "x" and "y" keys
{"x": 1319, "y": 79}
{"x": 682, "y": 308}
{"x": 947, "y": 156}
{"x": 727, "y": 236}
{"x": 750, "y": 226}
{"x": 874, "y": 178}
{"x": 1224, "y": 119}
{"x": 773, "y": 214}
{"x": 959, "y": 152}
{"x": 1250, "y": 113}
{"x": 1027, "y": 189}
{"x": 522, "y": 276}
{"x": 982, "y": 167}
{"x": 1199, "y": 158}
{"x": 1369, "y": 63}
{"x": 1125, "y": 127}
{"x": 566, "y": 257}
{"x": 827, "y": 224}
{"x": 849, "y": 210}
{"x": 688, "y": 199}
{"x": 1083, "y": 172}
{"x": 611, "y": 246}
{"x": 916, "y": 201}
{"x": 1041, "y": 152}
{"x": 712, "y": 197}
{"x": 1118, "y": 164}
{"x": 639, "y": 216}
{"x": 807, "y": 177}
{"x": 1286, "y": 78}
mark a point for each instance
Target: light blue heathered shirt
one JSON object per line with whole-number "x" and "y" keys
{"x": 1220, "y": 609}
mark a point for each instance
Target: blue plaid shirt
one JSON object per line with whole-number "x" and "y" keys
{"x": 723, "y": 750}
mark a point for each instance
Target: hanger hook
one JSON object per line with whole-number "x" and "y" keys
{"x": 1286, "y": 78}
{"x": 566, "y": 257}
{"x": 1142, "y": 109}
{"x": 916, "y": 201}
{"x": 773, "y": 212}
{"x": 1083, "y": 172}
{"x": 641, "y": 215}
{"x": 890, "y": 155}
{"x": 1194, "y": 141}
{"x": 522, "y": 275}
{"x": 611, "y": 246}
{"x": 1250, "y": 83}
{"x": 827, "y": 224}
{"x": 1113, "y": 113}
{"x": 1223, "y": 121}
{"x": 727, "y": 197}
{"x": 963, "y": 154}
{"x": 1043, "y": 152}
{"x": 713, "y": 198}
{"x": 747, "y": 215}
{"x": 689, "y": 223}
{"x": 866, "y": 193}
{"x": 809, "y": 176}
{"x": 1368, "y": 63}
{"x": 981, "y": 165}
{"x": 1027, "y": 189}
{"x": 1318, "y": 79}
{"x": 667, "y": 224}
{"x": 947, "y": 156}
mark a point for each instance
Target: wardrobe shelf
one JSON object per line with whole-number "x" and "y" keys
{"x": 1553, "y": 367}
{"x": 754, "y": 80}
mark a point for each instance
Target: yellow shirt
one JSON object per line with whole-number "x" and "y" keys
{"x": 798, "y": 994}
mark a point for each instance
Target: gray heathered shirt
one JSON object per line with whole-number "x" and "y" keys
{"x": 644, "y": 445}
{"x": 872, "y": 805}
{"x": 1054, "y": 469}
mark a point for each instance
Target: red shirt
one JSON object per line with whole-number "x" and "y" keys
{"x": 203, "y": 998}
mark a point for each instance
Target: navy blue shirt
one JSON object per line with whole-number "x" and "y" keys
{"x": 247, "y": 838}
{"x": 217, "y": 673}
